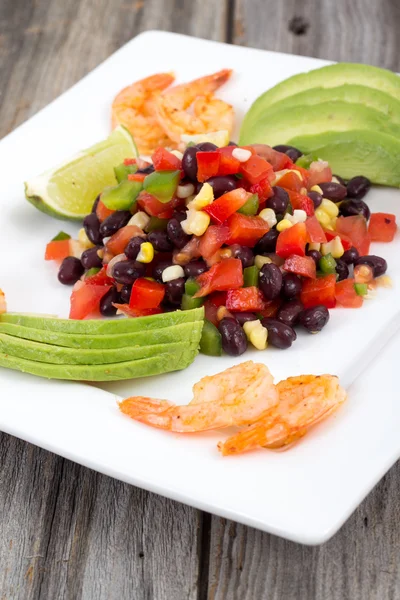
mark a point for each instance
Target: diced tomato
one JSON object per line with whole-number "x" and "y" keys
{"x": 319, "y": 291}
{"x": 356, "y": 229}
{"x": 290, "y": 181}
{"x": 137, "y": 177}
{"x": 165, "y": 161}
{"x": 263, "y": 189}
{"x": 271, "y": 308}
{"x": 85, "y": 299}
{"x": 102, "y": 211}
{"x": 346, "y": 295}
{"x": 315, "y": 233}
{"x": 256, "y": 169}
{"x": 278, "y": 160}
{"x": 129, "y": 161}
{"x": 330, "y": 235}
{"x": 245, "y": 299}
{"x": 133, "y": 312}
{"x": 210, "y": 312}
{"x": 246, "y": 231}
{"x": 228, "y": 164}
{"x": 382, "y": 227}
{"x": 207, "y": 164}
{"x": 155, "y": 208}
{"x": 305, "y": 174}
{"x": 226, "y": 275}
{"x": 292, "y": 241}
{"x": 226, "y": 205}
{"x": 213, "y": 239}
{"x": 118, "y": 242}
{"x": 301, "y": 265}
{"x": 319, "y": 172}
{"x": 100, "y": 278}
{"x": 301, "y": 202}
{"x": 58, "y": 250}
{"x": 146, "y": 294}
{"x": 218, "y": 298}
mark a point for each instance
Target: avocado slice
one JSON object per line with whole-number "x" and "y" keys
{"x": 280, "y": 126}
{"x": 104, "y": 326}
{"x": 326, "y": 77}
{"x": 359, "y": 152}
{"x": 164, "y": 335}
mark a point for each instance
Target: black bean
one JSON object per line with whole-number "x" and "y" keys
{"x": 106, "y": 303}
{"x": 234, "y": 340}
{"x": 291, "y": 286}
{"x": 270, "y": 281}
{"x": 159, "y": 268}
{"x": 206, "y": 147}
{"x": 195, "y": 268}
{"x": 180, "y": 215}
{"x": 341, "y": 269}
{"x": 315, "y": 255}
{"x": 316, "y": 197}
{"x": 279, "y": 201}
{"x": 350, "y": 208}
{"x": 95, "y": 203}
{"x": 289, "y": 312}
{"x": 244, "y": 254}
{"x": 280, "y": 335}
{"x": 340, "y": 180}
{"x": 314, "y": 319}
{"x": 90, "y": 259}
{"x": 160, "y": 241}
{"x": 71, "y": 269}
{"x": 243, "y": 317}
{"x": 146, "y": 170}
{"x": 377, "y": 263}
{"x": 350, "y": 256}
{"x": 358, "y": 186}
{"x": 125, "y": 294}
{"x": 127, "y": 271}
{"x": 114, "y": 222}
{"x": 267, "y": 243}
{"x": 91, "y": 225}
{"x": 176, "y": 234}
{"x": 232, "y": 143}
{"x": 189, "y": 163}
{"x": 292, "y": 152}
{"x": 222, "y": 184}
{"x": 174, "y": 290}
{"x": 333, "y": 191}
{"x": 132, "y": 248}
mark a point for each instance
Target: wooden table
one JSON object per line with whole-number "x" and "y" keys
{"x": 70, "y": 533}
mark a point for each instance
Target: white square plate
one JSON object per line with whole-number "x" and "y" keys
{"x": 304, "y": 494}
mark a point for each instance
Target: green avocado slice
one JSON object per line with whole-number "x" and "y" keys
{"x": 104, "y": 326}
{"x": 327, "y": 77}
{"x": 279, "y": 126}
{"x": 370, "y": 153}
{"x": 165, "y": 335}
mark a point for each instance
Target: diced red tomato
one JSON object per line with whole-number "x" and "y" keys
{"x": 155, "y": 208}
{"x": 315, "y": 233}
{"x": 290, "y": 181}
{"x": 319, "y": 291}
{"x": 129, "y": 161}
{"x": 330, "y": 235}
{"x": 292, "y": 241}
{"x": 213, "y": 239}
{"x": 246, "y": 231}
{"x": 226, "y": 205}
{"x": 278, "y": 160}
{"x": 319, "y": 172}
{"x": 245, "y": 299}
{"x": 85, "y": 299}
{"x": 218, "y": 299}
{"x": 207, "y": 164}
{"x": 301, "y": 202}
{"x": 118, "y": 242}
{"x": 100, "y": 278}
{"x": 271, "y": 308}
{"x": 133, "y": 312}
{"x": 103, "y": 212}
{"x": 356, "y": 229}
{"x": 346, "y": 295}
{"x": 58, "y": 250}
{"x": 301, "y": 265}
{"x": 263, "y": 189}
{"x": 305, "y": 174}
{"x": 146, "y": 294}
{"x": 226, "y": 275}
{"x": 165, "y": 161}
{"x": 210, "y": 312}
{"x": 137, "y": 177}
{"x": 228, "y": 164}
{"x": 382, "y": 227}
{"x": 256, "y": 169}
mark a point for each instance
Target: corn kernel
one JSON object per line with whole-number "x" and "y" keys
{"x": 140, "y": 219}
{"x": 314, "y": 246}
{"x": 172, "y": 272}
{"x": 268, "y": 215}
{"x": 334, "y": 247}
{"x": 256, "y": 334}
{"x": 75, "y": 248}
{"x": 335, "y": 179}
{"x": 203, "y": 198}
{"x": 196, "y": 222}
{"x": 84, "y": 240}
{"x": 329, "y": 207}
{"x": 316, "y": 188}
{"x": 322, "y": 217}
{"x": 241, "y": 154}
{"x": 299, "y": 216}
{"x": 284, "y": 224}
{"x": 223, "y": 313}
{"x": 260, "y": 261}
{"x": 146, "y": 253}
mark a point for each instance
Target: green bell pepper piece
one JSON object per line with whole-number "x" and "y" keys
{"x": 251, "y": 206}
{"x": 123, "y": 196}
{"x": 61, "y": 236}
{"x": 361, "y": 289}
{"x": 250, "y": 276}
{"x": 191, "y": 287}
{"x": 327, "y": 264}
{"x": 91, "y": 272}
{"x": 305, "y": 160}
{"x": 188, "y": 302}
{"x": 211, "y": 340}
{"x": 122, "y": 171}
{"x": 157, "y": 224}
{"x": 162, "y": 184}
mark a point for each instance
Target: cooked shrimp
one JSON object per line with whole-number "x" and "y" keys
{"x": 3, "y": 304}
{"x": 135, "y": 108}
{"x": 303, "y": 402}
{"x": 237, "y": 396}
{"x": 209, "y": 113}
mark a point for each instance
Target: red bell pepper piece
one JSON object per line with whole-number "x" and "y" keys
{"x": 301, "y": 202}
{"x": 382, "y": 227}
{"x": 319, "y": 291}
{"x": 301, "y": 265}
{"x": 292, "y": 241}
{"x": 263, "y": 189}
{"x": 146, "y": 294}
{"x": 356, "y": 229}
{"x": 207, "y": 165}
{"x": 85, "y": 299}
{"x": 245, "y": 299}
{"x": 100, "y": 278}
{"x": 290, "y": 181}
{"x": 346, "y": 294}
{"x": 58, "y": 250}
{"x": 153, "y": 207}
{"x": 133, "y": 312}
{"x": 213, "y": 239}
{"x": 315, "y": 233}
{"x": 102, "y": 211}
{"x": 221, "y": 209}
{"x": 119, "y": 241}
{"x": 271, "y": 308}
{"x": 210, "y": 311}
{"x": 137, "y": 177}
{"x": 165, "y": 161}
{"x": 226, "y": 275}
{"x": 245, "y": 230}
{"x": 218, "y": 298}
{"x": 256, "y": 169}
{"x": 228, "y": 164}
{"x": 129, "y": 161}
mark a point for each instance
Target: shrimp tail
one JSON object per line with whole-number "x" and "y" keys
{"x": 248, "y": 439}
{"x": 152, "y": 411}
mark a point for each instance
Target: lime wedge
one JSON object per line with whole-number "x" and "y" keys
{"x": 69, "y": 190}
{"x": 219, "y": 138}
